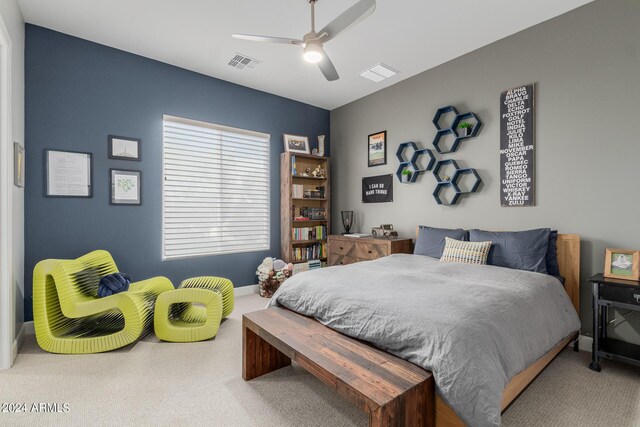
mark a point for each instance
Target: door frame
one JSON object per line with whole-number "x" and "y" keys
{"x": 7, "y": 291}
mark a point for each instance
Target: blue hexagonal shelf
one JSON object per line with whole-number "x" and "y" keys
{"x": 440, "y": 112}
{"x": 441, "y": 186}
{"x": 440, "y": 164}
{"x": 466, "y": 116}
{"x": 417, "y": 155}
{"x": 414, "y": 163}
{"x": 472, "y": 173}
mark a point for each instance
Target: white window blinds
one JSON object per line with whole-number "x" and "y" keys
{"x": 215, "y": 195}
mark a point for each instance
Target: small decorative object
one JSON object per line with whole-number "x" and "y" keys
{"x": 124, "y": 148}
{"x": 347, "y": 221}
{"x": 466, "y": 128}
{"x": 125, "y": 187}
{"x": 18, "y": 165}
{"x": 307, "y": 172}
{"x": 406, "y": 175}
{"x": 296, "y": 144}
{"x": 321, "y": 145}
{"x": 377, "y": 148}
{"x": 622, "y": 264}
{"x": 377, "y": 189}
{"x": 318, "y": 172}
{"x": 271, "y": 274}
{"x": 68, "y": 174}
{"x": 385, "y": 230}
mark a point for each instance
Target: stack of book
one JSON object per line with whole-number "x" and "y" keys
{"x": 315, "y": 251}
{"x": 298, "y": 191}
{"x": 309, "y": 233}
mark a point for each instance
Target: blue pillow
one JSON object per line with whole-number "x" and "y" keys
{"x": 553, "y": 268}
{"x": 520, "y": 250}
{"x": 113, "y": 284}
{"x": 430, "y": 241}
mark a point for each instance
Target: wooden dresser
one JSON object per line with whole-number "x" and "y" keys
{"x": 347, "y": 250}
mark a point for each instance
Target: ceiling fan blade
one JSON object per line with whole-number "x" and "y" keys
{"x": 267, "y": 39}
{"x": 327, "y": 68}
{"x": 350, "y": 17}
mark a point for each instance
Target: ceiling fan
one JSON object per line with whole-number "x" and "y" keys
{"x": 313, "y": 41}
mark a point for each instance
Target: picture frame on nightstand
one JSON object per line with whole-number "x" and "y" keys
{"x": 622, "y": 264}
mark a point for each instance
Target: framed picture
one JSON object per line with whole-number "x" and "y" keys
{"x": 622, "y": 264}
{"x": 18, "y": 165}
{"x": 377, "y": 148}
{"x": 124, "y": 148}
{"x": 126, "y": 187}
{"x": 67, "y": 174}
{"x": 296, "y": 144}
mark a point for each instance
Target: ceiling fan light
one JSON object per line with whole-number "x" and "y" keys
{"x": 313, "y": 53}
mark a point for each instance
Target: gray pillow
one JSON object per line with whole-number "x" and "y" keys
{"x": 430, "y": 241}
{"x": 520, "y": 250}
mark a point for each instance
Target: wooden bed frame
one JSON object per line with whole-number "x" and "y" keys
{"x": 392, "y": 391}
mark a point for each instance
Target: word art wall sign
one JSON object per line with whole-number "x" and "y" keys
{"x": 377, "y": 189}
{"x": 517, "y": 146}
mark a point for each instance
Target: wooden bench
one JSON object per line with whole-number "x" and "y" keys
{"x": 392, "y": 391}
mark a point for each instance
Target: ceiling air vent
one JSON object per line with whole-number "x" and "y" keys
{"x": 241, "y": 62}
{"x": 379, "y": 72}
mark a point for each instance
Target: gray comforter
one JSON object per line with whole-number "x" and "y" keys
{"x": 473, "y": 326}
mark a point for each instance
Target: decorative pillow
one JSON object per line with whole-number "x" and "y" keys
{"x": 553, "y": 268}
{"x": 466, "y": 252}
{"x": 113, "y": 284}
{"x": 520, "y": 250}
{"x": 430, "y": 241}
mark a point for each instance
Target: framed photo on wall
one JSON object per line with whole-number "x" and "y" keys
{"x": 124, "y": 148}
{"x": 296, "y": 144}
{"x": 67, "y": 174}
{"x": 126, "y": 187}
{"x": 377, "y": 148}
{"x": 622, "y": 264}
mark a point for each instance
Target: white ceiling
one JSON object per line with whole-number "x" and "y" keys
{"x": 409, "y": 35}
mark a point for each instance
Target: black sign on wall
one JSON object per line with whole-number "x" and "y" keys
{"x": 377, "y": 189}
{"x": 517, "y": 146}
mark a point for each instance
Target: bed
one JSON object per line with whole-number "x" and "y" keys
{"x": 480, "y": 364}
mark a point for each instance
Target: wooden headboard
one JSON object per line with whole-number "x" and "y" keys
{"x": 569, "y": 261}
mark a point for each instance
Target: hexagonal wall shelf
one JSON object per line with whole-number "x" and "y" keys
{"x": 440, "y": 112}
{"x": 467, "y": 174}
{"x": 416, "y": 164}
{"x": 453, "y": 128}
{"x": 439, "y": 166}
{"x": 439, "y": 196}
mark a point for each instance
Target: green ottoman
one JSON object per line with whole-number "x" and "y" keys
{"x": 193, "y": 311}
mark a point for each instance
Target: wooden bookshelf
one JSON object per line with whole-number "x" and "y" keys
{"x": 289, "y": 204}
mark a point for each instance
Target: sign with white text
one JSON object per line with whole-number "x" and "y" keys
{"x": 377, "y": 189}
{"x": 517, "y": 146}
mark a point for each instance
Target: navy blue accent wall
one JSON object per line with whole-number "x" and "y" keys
{"x": 79, "y": 92}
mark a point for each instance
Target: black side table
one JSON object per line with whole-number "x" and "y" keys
{"x": 615, "y": 293}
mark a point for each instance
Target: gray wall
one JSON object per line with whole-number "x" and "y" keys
{"x": 77, "y": 93}
{"x": 585, "y": 64}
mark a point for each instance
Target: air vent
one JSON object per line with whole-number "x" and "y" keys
{"x": 379, "y": 72}
{"x": 242, "y": 62}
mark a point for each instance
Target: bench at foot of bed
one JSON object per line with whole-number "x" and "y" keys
{"x": 392, "y": 391}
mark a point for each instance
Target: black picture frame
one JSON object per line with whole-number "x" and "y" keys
{"x": 112, "y": 193}
{"x": 383, "y": 160}
{"x": 46, "y": 153}
{"x": 138, "y": 142}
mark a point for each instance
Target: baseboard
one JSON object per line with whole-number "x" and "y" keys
{"x": 17, "y": 343}
{"x": 246, "y": 290}
{"x": 585, "y": 343}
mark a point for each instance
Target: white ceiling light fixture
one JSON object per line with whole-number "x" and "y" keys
{"x": 312, "y": 42}
{"x": 379, "y": 72}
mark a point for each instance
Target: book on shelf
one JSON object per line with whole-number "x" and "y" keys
{"x": 297, "y": 191}
{"x": 318, "y": 232}
{"x": 310, "y": 252}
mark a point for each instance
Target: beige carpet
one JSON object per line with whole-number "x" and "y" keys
{"x": 154, "y": 383}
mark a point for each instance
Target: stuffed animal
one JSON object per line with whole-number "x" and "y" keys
{"x": 271, "y": 273}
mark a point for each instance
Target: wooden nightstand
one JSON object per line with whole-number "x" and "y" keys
{"x": 616, "y": 293}
{"x": 347, "y": 250}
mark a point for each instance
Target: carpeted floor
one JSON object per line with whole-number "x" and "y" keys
{"x": 155, "y": 383}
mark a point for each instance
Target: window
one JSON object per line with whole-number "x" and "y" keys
{"x": 215, "y": 193}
